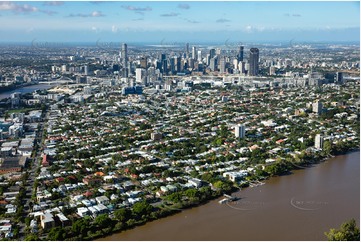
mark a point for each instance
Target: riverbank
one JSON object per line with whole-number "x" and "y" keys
{"x": 283, "y": 171}
{"x": 23, "y": 89}
{"x": 13, "y": 87}
{"x": 324, "y": 196}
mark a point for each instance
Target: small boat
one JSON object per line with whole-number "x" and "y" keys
{"x": 230, "y": 198}
{"x": 223, "y": 201}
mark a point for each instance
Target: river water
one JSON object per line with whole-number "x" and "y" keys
{"x": 300, "y": 206}
{"x": 25, "y": 89}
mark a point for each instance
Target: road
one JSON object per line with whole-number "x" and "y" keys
{"x": 35, "y": 162}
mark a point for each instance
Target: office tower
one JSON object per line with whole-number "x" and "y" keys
{"x": 143, "y": 62}
{"x": 208, "y": 58}
{"x": 131, "y": 82}
{"x": 86, "y": 72}
{"x": 318, "y": 141}
{"x": 241, "y": 67}
{"x": 222, "y": 65}
{"x": 64, "y": 68}
{"x": 253, "y": 62}
{"x": 194, "y": 52}
{"x": 178, "y": 64}
{"x": 172, "y": 62}
{"x": 212, "y": 53}
{"x": 339, "y": 78}
{"x": 218, "y": 51}
{"x": 246, "y": 67}
{"x": 240, "y": 131}
{"x": 240, "y": 53}
{"x": 164, "y": 67}
{"x": 213, "y": 64}
{"x": 317, "y": 107}
{"x": 199, "y": 57}
{"x": 191, "y": 63}
{"x": 235, "y": 64}
{"x": 163, "y": 56}
{"x": 184, "y": 65}
{"x": 125, "y": 60}
{"x": 272, "y": 70}
{"x": 139, "y": 74}
{"x": 187, "y": 50}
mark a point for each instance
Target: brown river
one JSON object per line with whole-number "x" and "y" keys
{"x": 300, "y": 206}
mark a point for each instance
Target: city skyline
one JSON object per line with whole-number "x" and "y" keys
{"x": 168, "y": 22}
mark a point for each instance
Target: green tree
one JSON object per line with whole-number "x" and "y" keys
{"x": 80, "y": 227}
{"x": 348, "y": 231}
{"x": 327, "y": 148}
{"x": 32, "y": 237}
{"x": 122, "y": 214}
{"x": 191, "y": 193}
{"x": 57, "y": 233}
{"x": 103, "y": 221}
{"x": 142, "y": 208}
{"x": 27, "y": 221}
{"x": 175, "y": 197}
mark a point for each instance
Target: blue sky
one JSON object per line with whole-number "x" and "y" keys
{"x": 170, "y": 22}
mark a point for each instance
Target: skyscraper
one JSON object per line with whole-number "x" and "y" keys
{"x": 165, "y": 66}
{"x": 172, "y": 63}
{"x": 139, "y": 74}
{"x": 317, "y": 107}
{"x": 187, "y": 50}
{"x": 178, "y": 64}
{"x": 339, "y": 78}
{"x": 194, "y": 53}
{"x": 86, "y": 70}
{"x": 241, "y": 67}
{"x": 240, "y": 131}
{"x": 125, "y": 59}
{"x": 143, "y": 62}
{"x": 163, "y": 56}
{"x": 253, "y": 62}
{"x": 212, "y": 53}
{"x": 199, "y": 57}
{"x": 222, "y": 65}
{"x": 213, "y": 64}
{"x": 208, "y": 58}
{"x": 240, "y": 53}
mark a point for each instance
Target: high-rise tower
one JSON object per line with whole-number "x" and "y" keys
{"x": 194, "y": 53}
{"x": 253, "y": 62}
{"x": 240, "y": 131}
{"x": 125, "y": 60}
{"x": 240, "y": 54}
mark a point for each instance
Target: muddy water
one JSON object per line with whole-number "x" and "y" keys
{"x": 300, "y": 206}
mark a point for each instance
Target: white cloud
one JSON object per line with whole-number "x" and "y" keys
{"x": 95, "y": 29}
{"x": 114, "y": 29}
{"x": 92, "y": 14}
{"x": 97, "y": 14}
{"x": 184, "y": 6}
{"x": 17, "y": 8}
{"x": 53, "y": 3}
{"x": 223, "y": 20}
{"x": 137, "y": 9}
{"x": 169, "y": 15}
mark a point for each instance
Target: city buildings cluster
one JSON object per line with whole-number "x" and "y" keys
{"x": 116, "y": 129}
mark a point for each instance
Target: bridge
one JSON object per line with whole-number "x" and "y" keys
{"x": 61, "y": 80}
